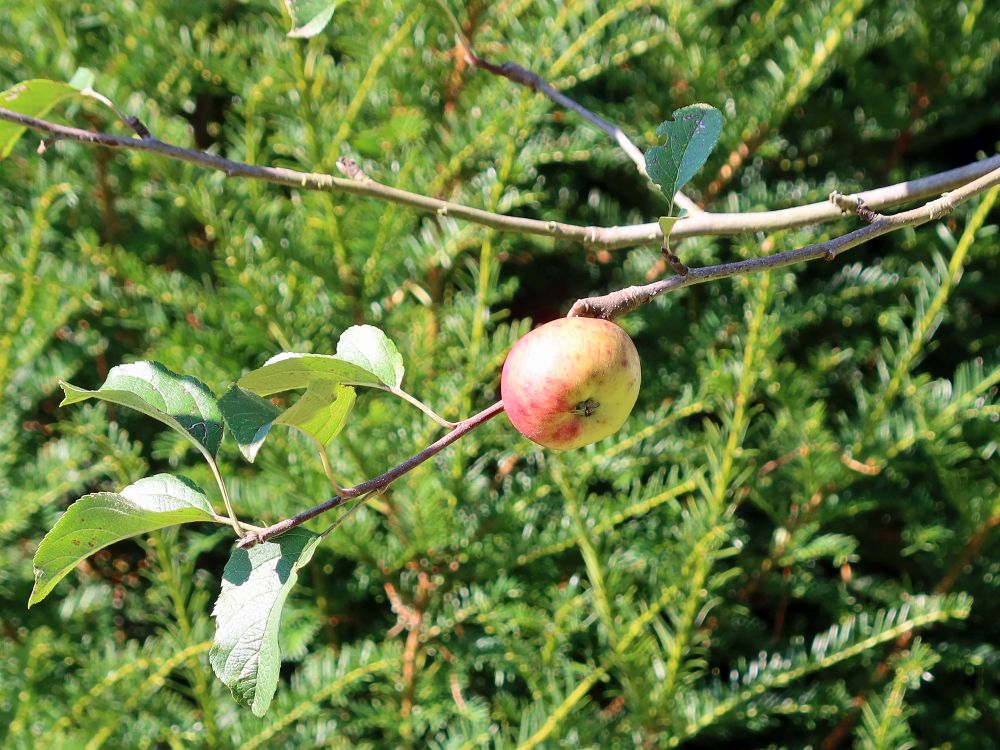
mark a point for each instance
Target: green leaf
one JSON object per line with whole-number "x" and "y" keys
{"x": 309, "y": 17}
{"x": 102, "y": 518}
{"x": 255, "y": 584}
{"x": 82, "y": 79}
{"x": 321, "y": 412}
{"x": 35, "y": 98}
{"x": 182, "y": 403}
{"x": 667, "y": 224}
{"x": 249, "y": 418}
{"x": 370, "y": 348}
{"x": 691, "y": 136}
{"x": 365, "y": 356}
{"x": 286, "y": 372}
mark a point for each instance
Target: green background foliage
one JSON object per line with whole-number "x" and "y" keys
{"x": 809, "y": 476}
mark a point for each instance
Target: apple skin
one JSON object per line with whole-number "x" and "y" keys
{"x": 570, "y": 382}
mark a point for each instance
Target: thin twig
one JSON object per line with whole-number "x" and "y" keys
{"x": 136, "y": 125}
{"x": 514, "y": 72}
{"x": 625, "y": 300}
{"x": 413, "y": 642}
{"x": 671, "y": 258}
{"x": 702, "y": 224}
{"x": 422, "y": 406}
{"x": 378, "y": 483}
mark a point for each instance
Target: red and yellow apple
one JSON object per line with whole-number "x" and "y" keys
{"x": 570, "y": 382}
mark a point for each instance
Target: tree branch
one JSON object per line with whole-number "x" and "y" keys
{"x": 514, "y": 72}
{"x": 702, "y": 224}
{"x": 625, "y": 300}
{"x": 378, "y": 483}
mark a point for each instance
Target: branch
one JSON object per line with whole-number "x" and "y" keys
{"x": 134, "y": 123}
{"x": 514, "y": 72}
{"x": 701, "y": 224}
{"x": 625, "y": 300}
{"x": 378, "y": 483}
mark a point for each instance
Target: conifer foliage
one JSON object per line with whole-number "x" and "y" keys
{"x": 791, "y": 543}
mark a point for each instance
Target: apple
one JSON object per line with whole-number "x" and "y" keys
{"x": 570, "y": 382}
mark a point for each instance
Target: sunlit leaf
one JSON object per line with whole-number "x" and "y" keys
{"x": 35, "y": 98}
{"x": 370, "y": 348}
{"x": 255, "y": 584}
{"x": 365, "y": 356}
{"x": 691, "y": 136}
{"x": 309, "y": 17}
{"x": 181, "y": 402}
{"x": 102, "y": 518}
{"x": 322, "y": 411}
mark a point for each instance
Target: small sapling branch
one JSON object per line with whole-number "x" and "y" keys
{"x": 377, "y": 484}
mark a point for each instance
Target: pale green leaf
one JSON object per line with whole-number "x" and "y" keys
{"x": 370, "y": 348}
{"x": 667, "y": 224}
{"x": 82, "y": 79}
{"x": 322, "y": 411}
{"x": 35, "y": 98}
{"x": 183, "y": 403}
{"x": 691, "y": 137}
{"x": 365, "y": 356}
{"x": 309, "y": 17}
{"x": 102, "y": 518}
{"x": 255, "y": 584}
{"x": 288, "y": 371}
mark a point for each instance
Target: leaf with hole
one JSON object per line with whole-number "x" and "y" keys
{"x": 691, "y": 136}
{"x": 255, "y": 585}
{"x": 102, "y": 518}
{"x": 35, "y": 98}
{"x": 183, "y": 403}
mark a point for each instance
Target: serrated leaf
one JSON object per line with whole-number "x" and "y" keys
{"x": 691, "y": 136}
{"x": 183, "y": 403}
{"x": 309, "y": 17}
{"x": 370, "y": 348}
{"x": 249, "y": 418}
{"x": 255, "y": 585}
{"x": 102, "y": 518}
{"x": 322, "y": 411}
